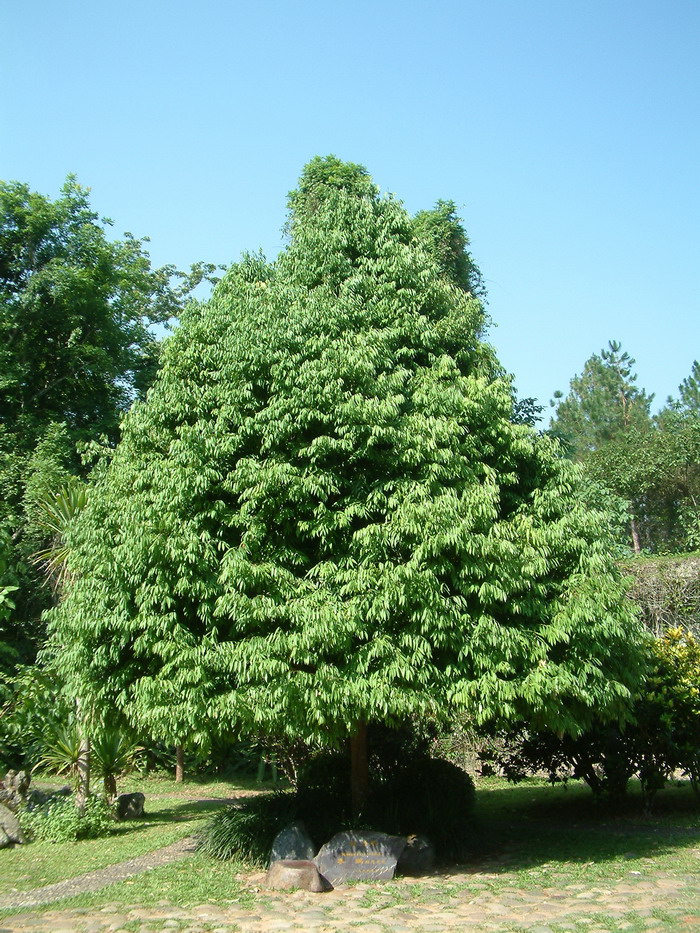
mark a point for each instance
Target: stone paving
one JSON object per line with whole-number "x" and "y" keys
{"x": 476, "y": 902}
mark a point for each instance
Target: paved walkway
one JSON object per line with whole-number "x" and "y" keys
{"x": 442, "y": 904}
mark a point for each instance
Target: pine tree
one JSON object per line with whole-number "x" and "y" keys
{"x": 324, "y": 515}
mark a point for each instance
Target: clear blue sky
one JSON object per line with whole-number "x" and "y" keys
{"x": 568, "y": 133}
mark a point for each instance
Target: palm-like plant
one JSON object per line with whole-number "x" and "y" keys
{"x": 114, "y": 752}
{"x": 57, "y": 511}
{"x": 62, "y": 745}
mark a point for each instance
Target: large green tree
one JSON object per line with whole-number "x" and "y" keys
{"x": 324, "y": 515}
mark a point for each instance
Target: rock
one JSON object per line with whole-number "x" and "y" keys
{"x": 10, "y": 825}
{"x": 5, "y": 840}
{"x": 418, "y": 858}
{"x": 359, "y": 856}
{"x": 292, "y": 844}
{"x": 130, "y": 806}
{"x": 295, "y": 873}
{"x": 14, "y": 788}
{"x": 38, "y": 798}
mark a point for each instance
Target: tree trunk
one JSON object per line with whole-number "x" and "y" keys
{"x": 83, "y": 772}
{"x": 179, "y": 763}
{"x": 110, "y": 787}
{"x": 635, "y": 535}
{"x": 359, "y": 768}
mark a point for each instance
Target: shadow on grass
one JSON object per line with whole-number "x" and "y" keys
{"x": 190, "y": 812}
{"x": 520, "y": 827}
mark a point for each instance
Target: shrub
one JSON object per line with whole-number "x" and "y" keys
{"x": 59, "y": 820}
{"x": 664, "y": 734}
{"x": 420, "y": 795}
{"x": 428, "y": 796}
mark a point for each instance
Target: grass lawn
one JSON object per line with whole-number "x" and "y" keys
{"x": 173, "y": 811}
{"x": 531, "y": 836}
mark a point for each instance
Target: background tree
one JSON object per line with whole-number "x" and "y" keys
{"x": 603, "y": 403}
{"x": 323, "y": 515}
{"x": 76, "y": 347}
{"x": 604, "y": 407}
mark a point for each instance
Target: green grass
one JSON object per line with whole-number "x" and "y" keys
{"x": 526, "y": 837}
{"x": 172, "y": 812}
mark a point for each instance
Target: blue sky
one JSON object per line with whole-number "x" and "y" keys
{"x": 567, "y": 133}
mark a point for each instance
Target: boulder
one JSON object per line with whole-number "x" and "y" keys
{"x": 418, "y": 858}
{"x": 295, "y": 873}
{"x": 359, "y": 856}
{"x": 292, "y": 844}
{"x": 130, "y": 806}
{"x": 38, "y": 798}
{"x": 14, "y": 788}
{"x": 10, "y": 825}
{"x": 5, "y": 840}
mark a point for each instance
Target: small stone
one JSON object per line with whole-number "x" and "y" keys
{"x": 286, "y": 874}
{"x": 292, "y": 844}
{"x": 418, "y": 858}
{"x": 130, "y": 806}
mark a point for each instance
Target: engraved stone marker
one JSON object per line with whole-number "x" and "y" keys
{"x": 359, "y": 856}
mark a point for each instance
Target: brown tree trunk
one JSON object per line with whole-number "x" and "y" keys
{"x": 359, "y": 768}
{"x": 179, "y": 763}
{"x": 635, "y": 535}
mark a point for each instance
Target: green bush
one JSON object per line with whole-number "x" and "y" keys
{"x": 59, "y": 820}
{"x": 427, "y": 796}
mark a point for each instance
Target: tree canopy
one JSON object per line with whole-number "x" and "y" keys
{"x": 324, "y": 512}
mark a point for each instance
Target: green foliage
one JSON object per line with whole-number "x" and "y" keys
{"x": 75, "y": 311}
{"x": 59, "y": 820}
{"x": 446, "y": 240}
{"x": 663, "y": 736}
{"x": 32, "y": 705}
{"x": 324, "y": 513}
{"x": 76, "y": 347}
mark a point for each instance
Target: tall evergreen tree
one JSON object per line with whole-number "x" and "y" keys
{"x": 324, "y": 515}
{"x": 602, "y": 404}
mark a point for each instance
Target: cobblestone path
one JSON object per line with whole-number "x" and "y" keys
{"x": 658, "y": 902}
